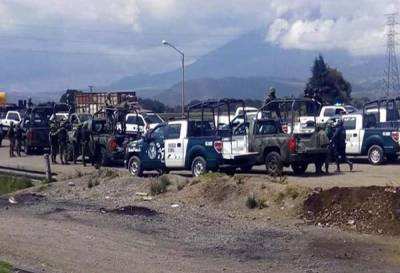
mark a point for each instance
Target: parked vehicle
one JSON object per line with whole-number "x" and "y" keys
{"x": 195, "y": 144}
{"x": 12, "y": 116}
{"x": 366, "y": 136}
{"x": 35, "y": 129}
{"x": 277, "y": 149}
{"x": 142, "y": 121}
{"x": 330, "y": 111}
{"x": 237, "y": 116}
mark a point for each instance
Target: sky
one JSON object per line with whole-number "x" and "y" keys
{"x": 75, "y": 42}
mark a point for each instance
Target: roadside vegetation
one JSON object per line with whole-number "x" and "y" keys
{"x": 10, "y": 184}
{"x": 6, "y": 267}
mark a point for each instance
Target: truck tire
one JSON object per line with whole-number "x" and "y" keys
{"x": 299, "y": 168}
{"x": 273, "y": 164}
{"x": 199, "y": 166}
{"x": 376, "y": 156}
{"x": 135, "y": 166}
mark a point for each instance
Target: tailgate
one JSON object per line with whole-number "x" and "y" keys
{"x": 311, "y": 143}
{"x": 38, "y": 137}
{"x": 236, "y": 147}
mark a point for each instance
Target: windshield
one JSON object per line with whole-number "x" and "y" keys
{"x": 350, "y": 109}
{"x": 152, "y": 118}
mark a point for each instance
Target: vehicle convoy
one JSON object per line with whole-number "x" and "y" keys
{"x": 12, "y": 116}
{"x": 195, "y": 144}
{"x": 35, "y": 129}
{"x": 277, "y": 149}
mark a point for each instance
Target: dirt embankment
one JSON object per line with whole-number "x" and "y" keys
{"x": 364, "y": 209}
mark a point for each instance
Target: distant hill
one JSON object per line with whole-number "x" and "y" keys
{"x": 250, "y": 56}
{"x": 230, "y": 87}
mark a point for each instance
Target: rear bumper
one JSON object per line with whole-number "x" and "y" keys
{"x": 306, "y": 157}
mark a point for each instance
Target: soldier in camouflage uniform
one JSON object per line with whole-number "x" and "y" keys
{"x": 53, "y": 140}
{"x": 62, "y": 142}
{"x": 84, "y": 138}
{"x": 11, "y": 138}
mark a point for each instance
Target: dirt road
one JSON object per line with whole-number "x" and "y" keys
{"x": 72, "y": 228}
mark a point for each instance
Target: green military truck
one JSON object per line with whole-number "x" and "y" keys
{"x": 277, "y": 148}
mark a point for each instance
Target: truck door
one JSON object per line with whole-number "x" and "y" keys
{"x": 174, "y": 146}
{"x": 353, "y": 137}
{"x": 153, "y": 154}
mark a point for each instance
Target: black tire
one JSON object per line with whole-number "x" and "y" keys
{"x": 199, "y": 166}
{"x": 299, "y": 168}
{"x": 376, "y": 156}
{"x": 103, "y": 157}
{"x": 273, "y": 164}
{"x": 135, "y": 166}
{"x": 392, "y": 157}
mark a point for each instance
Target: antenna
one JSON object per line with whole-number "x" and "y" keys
{"x": 391, "y": 78}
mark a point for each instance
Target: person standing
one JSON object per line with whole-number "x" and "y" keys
{"x": 85, "y": 138}
{"x": 323, "y": 142}
{"x": 339, "y": 141}
{"x": 53, "y": 139}
{"x": 75, "y": 143}
{"x": 271, "y": 95}
{"x": 62, "y": 143}
{"x": 18, "y": 139}
{"x": 329, "y": 130}
{"x": 11, "y": 138}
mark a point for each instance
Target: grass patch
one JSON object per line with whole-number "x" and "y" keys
{"x": 212, "y": 176}
{"x": 290, "y": 191}
{"x": 108, "y": 173}
{"x": 6, "y": 267}
{"x": 10, "y": 184}
{"x": 159, "y": 185}
{"x": 251, "y": 201}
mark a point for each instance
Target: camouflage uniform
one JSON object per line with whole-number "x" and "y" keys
{"x": 53, "y": 140}
{"x": 1, "y": 134}
{"x": 62, "y": 143}
{"x": 84, "y": 138}
{"x": 18, "y": 138}
{"x": 11, "y": 138}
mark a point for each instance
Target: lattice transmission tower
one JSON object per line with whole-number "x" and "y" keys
{"x": 391, "y": 78}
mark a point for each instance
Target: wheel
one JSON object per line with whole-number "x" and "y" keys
{"x": 199, "y": 166}
{"x": 103, "y": 157}
{"x": 135, "y": 166}
{"x": 376, "y": 155}
{"x": 391, "y": 157}
{"x": 273, "y": 164}
{"x": 246, "y": 169}
{"x": 299, "y": 168}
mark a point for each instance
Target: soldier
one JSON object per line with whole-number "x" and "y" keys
{"x": 329, "y": 130}
{"x": 62, "y": 143}
{"x": 30, "y": 104}
{"x": 339, "y": 140}
{"x": 18, "y": 138}
{"x": 84, "y": 138}
{"x": 75, "y": 142}
{"x": 323, "y": 141}
{"x": 53, "y": 139}
{"x": 271, "y": 96}
{"x": 11, "y": 138}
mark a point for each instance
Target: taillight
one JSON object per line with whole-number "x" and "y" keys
{"x": 292, "y": 145}
{"x": 395, "y": 136}
{"x": 218, "y": 146}
{"x": 113, "y": 144}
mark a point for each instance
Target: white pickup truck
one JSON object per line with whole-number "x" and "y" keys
{"x": 144, "y": 121}
{"x": 328, "y": 112}
{"x": 237, "y": 116}
{"x": 11, "y": 116}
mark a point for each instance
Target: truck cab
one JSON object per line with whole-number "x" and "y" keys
{"x": 195, "y": 144}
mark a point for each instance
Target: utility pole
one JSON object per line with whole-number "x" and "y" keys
{"x": 391, "y": 78}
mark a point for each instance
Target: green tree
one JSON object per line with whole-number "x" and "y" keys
{"x": 327, "y": 84}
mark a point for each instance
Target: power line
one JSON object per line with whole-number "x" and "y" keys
{"x": 391, "y": 72}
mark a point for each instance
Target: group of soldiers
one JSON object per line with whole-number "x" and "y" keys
{"x": 58, "y": 139}
{"x": 14, "y": 135}
{"x": 333, "y": 135}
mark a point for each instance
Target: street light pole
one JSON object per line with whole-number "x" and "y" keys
{"x": 183, "y": 73}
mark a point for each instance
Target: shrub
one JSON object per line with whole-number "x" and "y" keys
{"x": 251, "y": 201}
{"x": 159, "y": 185}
